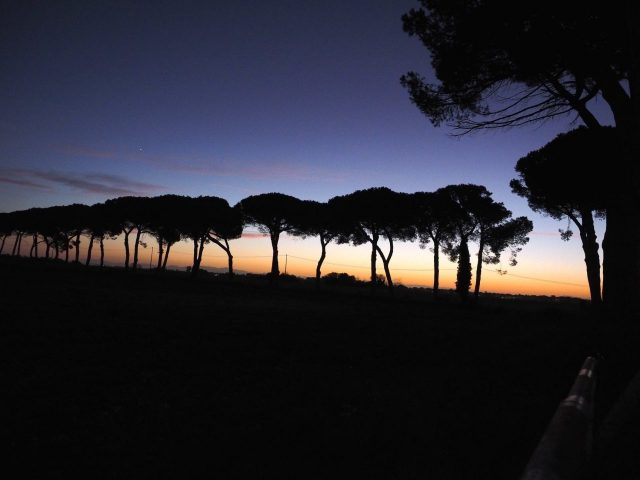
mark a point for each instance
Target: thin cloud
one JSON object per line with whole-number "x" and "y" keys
{"x": 23, "y": 182}
{"x": 253, "y": 235}
{"x": 99, "y": 183}
{"x": 206, "y": 166}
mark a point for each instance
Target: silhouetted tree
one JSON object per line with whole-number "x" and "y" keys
{"x": 49, "y": 230}
{"x": 226, "y": 224}
{"x": 318, "y": 219}
{"x": 68, "y": 223}
{"x": 371, "y": 214}
{"x": 467, "y": 198}
{"x": 555, "y": 182}
{"x": 274, "y": 214}
{"x": 200, "y": 218}
{"x": 16, "y": 225}
{"x": 139, "y": 214}
{"x": 495, "y": 231}
{"x": 500, "y": 66}
{"x": 120, "y": 210}
{"x": 30, "y": 225}
{"x": 494, "y": 239}
{"x": 434, "y": 214}
{"x": 5, "y": 229}
{"x": 166, "y": 214}
{"x": 102, "y": 224}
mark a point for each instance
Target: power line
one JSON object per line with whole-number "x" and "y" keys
{"x": 538, "y": 279}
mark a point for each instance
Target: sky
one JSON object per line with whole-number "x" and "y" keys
{"x": 235, "y": 98}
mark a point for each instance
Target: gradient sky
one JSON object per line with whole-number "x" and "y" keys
{"x": 101, "y": 99}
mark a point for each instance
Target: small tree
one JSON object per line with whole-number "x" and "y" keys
{"x": 273, "y": 214}
{"x": 165, "y": 218}
{"x": 197, "y": 219}
{"x": 225, "y": 225}
{"x": 367, "y": 215}
{"x": 434, "y": 214}
{"x": 496, "y": 231}
{"x": 466, "y": 198}
{"x": 121, "y": 210}
{"x": 318, "y": 220}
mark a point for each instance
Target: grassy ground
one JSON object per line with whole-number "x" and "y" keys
{"x": 139, "y": 376}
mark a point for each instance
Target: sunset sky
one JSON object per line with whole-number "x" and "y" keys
{"x": 102, "y": 99}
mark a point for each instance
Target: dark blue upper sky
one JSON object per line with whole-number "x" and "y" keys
{"x": 101, "y": 99}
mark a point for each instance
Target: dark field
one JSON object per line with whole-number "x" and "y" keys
{"x": 138, "y": 376}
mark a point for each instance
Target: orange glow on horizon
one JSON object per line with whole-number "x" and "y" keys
{"x": 410, "y": 266}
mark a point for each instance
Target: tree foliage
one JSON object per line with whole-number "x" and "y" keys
{"x": 500, "y": 66}
{"x": 560, "y": 180}
{"x": 367, "y": 215}
{"x": 273, "y": 214}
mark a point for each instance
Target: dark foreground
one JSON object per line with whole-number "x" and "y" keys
{"x": 137, "y": 376}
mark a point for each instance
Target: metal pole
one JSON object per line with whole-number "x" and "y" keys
{"x": 563, "y": 452}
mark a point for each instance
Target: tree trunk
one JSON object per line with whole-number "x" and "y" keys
{"x": 77, "y": 245}
{"x": 436, "y": 267}
{"x": 275, "y": 266}
{"x": 33, "y": 247}
{"x": 323, "y": 255}
{"x": 591, "y": 255}
{"x": 200, "y": 249}
{"x": 227, "y": 250}
{"x": 463, "y": 276}
{"x": 35, "y": 244}
{"x": 387, "y": 272}
{"x": 136, "y": 248}
{"x": 621, "y": 243}
{"x": 195, "y": 252}
{"x": 47, "y": 250}
{"x": 101, "y": 252}
{"x": 89, "y": 250}
{"x": 229, "y": 257}
{"x": 4, "y": 237}
{"x": 374, "y": 246}
{"x": 386, "y": 260}
{"x": 230, "y": 263}
{"x": 194, "y": 266}
{"x": 126, "y": 249}
{"x": 160, "y": 253}
{"x": 621, "y": 263}
{"x": 476, "y": 290}
{"x": 67, "y": 241}
{"x": 15, "y": 246}
{"x": 166, "y": 256}
{"x": 57, "y": 251}
{"x": 18, "y": 244}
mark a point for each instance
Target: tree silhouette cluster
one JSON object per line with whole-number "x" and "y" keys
{"x": 558, "y": 181}
{"x": 448, "y": 219}
{"x": 167, "y": 218}
{"x": 499, "y": 67}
